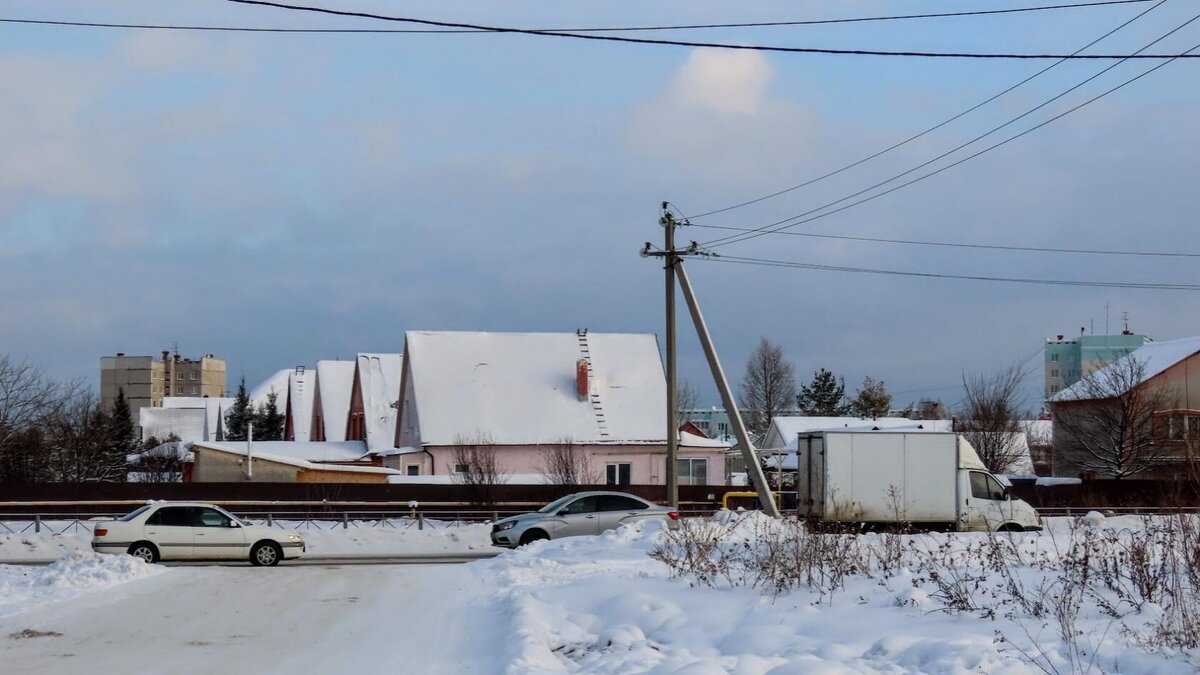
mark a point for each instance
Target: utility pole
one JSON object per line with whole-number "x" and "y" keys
{"x": 749, "y": 456}
{"x": 670, "y": 259}
{"x": 673, "y": 264}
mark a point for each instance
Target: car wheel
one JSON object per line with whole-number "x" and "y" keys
{"x": 266, "y": 553}
{"x": 532, "y": 536}
{"x": 1011, "y": 527}
{"x": 144, "y": 550}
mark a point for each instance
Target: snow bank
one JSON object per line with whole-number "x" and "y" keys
{"x": 603, "y": 605}
{"x": 24, "y": 587}
{"x": 42, "y": 546}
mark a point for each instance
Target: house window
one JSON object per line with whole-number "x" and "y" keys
{"x": 414, "y": 469}
{"x": 193, "y": 375}
{"x": 617, "y": 473}
{"x": 722, "y": 427}
{"x": 1054, "y": 372}
{"x": 461, "y": 468}
{"x": 692, "y": 471}
{"x": 1054, "y": 357}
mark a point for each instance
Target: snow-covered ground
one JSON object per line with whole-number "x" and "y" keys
{"x": 585, "y": 605}
{"x": 361, "y": 539}
{"x": 23, "y": 587}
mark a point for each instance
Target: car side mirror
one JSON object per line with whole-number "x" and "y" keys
{"x": 234, "y": 523}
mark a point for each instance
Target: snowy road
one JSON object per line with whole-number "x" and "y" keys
{"x": 294, "y": 619}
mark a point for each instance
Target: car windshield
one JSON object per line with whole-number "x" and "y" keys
{"x": 133, "y": 514}
{"x": 556, "y": 504}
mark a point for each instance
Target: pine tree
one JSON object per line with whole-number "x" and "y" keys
{"x": 872, "y": 400}
{"x": 121, "y": 439}
{"x": 241, "y": 414}
{"x": 824, "y": 396}
{"x": 268, "y": 421}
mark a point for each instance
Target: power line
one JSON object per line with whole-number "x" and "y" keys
{"x": 609, "y": 29}
{"x": 767, "y": 229}
{"x": 764, "y": 262}
{"x": 930, "y": 130}
{"x": 707, "y": 45}
{"x": 997, "y": 247}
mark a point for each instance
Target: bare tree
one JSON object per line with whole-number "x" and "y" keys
{"x": 33, "y": 408}
{"x": 1105, "y": 423}
{"x": 563, "y": 463}
{"x": 768, "y": 387}
{"x": 990, "y": 418}
{"x": 477, "y": 466}
{"x": 687, "y": 399}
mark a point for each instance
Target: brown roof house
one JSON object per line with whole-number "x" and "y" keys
{"x": 1138, "y": 416}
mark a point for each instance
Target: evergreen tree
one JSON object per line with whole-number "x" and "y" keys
{"x": 240, "y": 415}
{"x": 121, "y": 438}
{"x": 824, "y": 396}
{"x": 268, "y": 421}
{"x": 872, "y": 400}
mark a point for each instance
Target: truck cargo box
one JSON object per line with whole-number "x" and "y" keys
{"x": 881, "y": 477}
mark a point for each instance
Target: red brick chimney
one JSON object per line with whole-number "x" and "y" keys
{"x": 581, "y": 379}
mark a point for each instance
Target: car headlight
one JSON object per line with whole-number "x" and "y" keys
{"x": 294, "y": 537}
{"x": 505, "y": 526}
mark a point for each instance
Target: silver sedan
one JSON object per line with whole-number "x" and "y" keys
{"x": 578, "y": 514}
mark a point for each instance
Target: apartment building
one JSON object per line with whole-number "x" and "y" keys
{"x": 147, "y": 380}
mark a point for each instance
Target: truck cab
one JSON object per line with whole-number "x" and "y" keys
{"x": 986, "y": 505}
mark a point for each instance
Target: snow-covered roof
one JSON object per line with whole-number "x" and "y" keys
{"x": 1154, "y": 358}
{"x": 214, "y": 407}
{"x": 189, "y": 424}
{"x": 334, "y": 380}
{"x": 300, "y": 403}
{"x": 277, "y": 383}
{"x": 379, "y": 381}
{"x": 309, "y": 451}
{"x": 520, "y": 388}
{"x": 269, "y": 454}
{"x": 784, "y": 430}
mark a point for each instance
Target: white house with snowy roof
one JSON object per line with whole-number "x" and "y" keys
{"x": 784, "y": 430}
{"x": 331, "y": 400}
{"x": 374, "y": 393}
{"x": 601, "y": 394}
{"x": 188, "y": 418}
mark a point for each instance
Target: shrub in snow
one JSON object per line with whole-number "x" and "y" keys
{"x": 1139, "y": 583}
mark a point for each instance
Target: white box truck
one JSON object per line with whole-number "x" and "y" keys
{"x": 928, "y": 480}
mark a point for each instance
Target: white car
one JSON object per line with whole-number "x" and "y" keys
{"x": 190, "y": 531}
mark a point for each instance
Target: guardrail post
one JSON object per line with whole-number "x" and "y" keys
{"x": 270, "y": 521}
{"x": 495, "y": 516}
{"x": 37, "y": 523}
{"x": 420, "y": 521}
{"x": 345, "y": 520}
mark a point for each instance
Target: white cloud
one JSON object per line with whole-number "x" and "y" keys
{"x": 718, "y": 120}
{"x": 723, "y": 81}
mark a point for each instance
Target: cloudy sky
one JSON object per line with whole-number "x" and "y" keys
{"x": 282, "y": 198}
